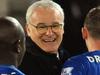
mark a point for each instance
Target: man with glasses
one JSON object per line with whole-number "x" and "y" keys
{"x": 45, "y": 29}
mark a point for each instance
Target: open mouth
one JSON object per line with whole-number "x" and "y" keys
{"x": 49, "y": 40}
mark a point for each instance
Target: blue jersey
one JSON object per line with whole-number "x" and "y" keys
{"x": 9, "y": 70}
{"x": 85, "y": 64}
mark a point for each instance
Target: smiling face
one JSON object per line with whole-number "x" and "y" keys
{"x": 49, "y": 40}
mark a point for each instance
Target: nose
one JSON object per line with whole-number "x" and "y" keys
{"x": 49, "y": 31}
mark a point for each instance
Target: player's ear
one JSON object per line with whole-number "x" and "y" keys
{"x": 84, "y": 32}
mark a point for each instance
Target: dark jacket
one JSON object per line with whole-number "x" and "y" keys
{"x": 38, "y": 62}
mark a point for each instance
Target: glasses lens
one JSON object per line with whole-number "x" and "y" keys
{"x": 57, "y": 26}
{"x": 41, "y": 28}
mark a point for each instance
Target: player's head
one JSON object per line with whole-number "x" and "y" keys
{"x": 92, "y": 22}
{"x": 12, "y": 41}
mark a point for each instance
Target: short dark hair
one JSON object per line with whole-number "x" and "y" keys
{"x": 92, "y": 22}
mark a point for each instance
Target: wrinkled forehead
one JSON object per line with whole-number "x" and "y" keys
{"x": 46, "y": 15}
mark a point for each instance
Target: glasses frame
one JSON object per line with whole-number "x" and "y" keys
{"x": 46, "y": 27}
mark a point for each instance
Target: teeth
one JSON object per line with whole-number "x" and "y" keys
{"x": 49, "y": 40}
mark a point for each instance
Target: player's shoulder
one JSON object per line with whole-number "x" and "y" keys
{"x": 9, "y": 69}
{"x": 77, "y": 59}
{"x": 74, "y": 66}
{"x": 83, "y": 58}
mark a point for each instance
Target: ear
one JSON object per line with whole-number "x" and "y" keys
{"x": 27, "y": 29}
{"x": 63, "y": 31}
{"x": 84, "y": 32}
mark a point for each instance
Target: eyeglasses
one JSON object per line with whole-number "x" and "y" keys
{"x": 42, "y": 28}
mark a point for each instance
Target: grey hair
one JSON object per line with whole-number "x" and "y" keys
{"x": 43, "y": 3}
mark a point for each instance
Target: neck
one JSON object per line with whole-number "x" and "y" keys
{"x": 93, "y": 45}
{"x": 8, "y": 60}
